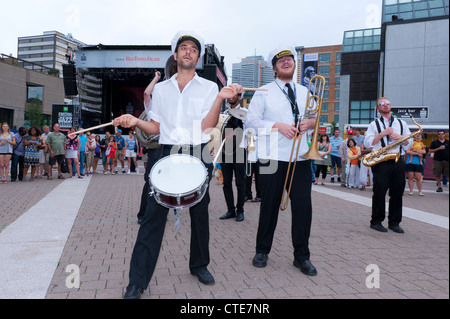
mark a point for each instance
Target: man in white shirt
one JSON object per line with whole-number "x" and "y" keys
{"x": 183, "y": 110}
{"x": 387, "y": 175}
{"x": 273, "y": 114}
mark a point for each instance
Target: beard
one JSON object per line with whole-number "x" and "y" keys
{"x": 384, "y": 112}
{"x": 285, "y": 74}
{"x": 187, "y": 65}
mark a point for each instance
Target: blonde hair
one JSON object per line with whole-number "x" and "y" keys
{"x": 381, "y": 99}
{"x": 1, "y": 128}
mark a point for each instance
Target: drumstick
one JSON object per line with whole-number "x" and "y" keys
{"x": 218, "y": 153}
{"x": 221, "y": 146}
{"x": 254, "y": 89}
{"x": 92, "y": 128}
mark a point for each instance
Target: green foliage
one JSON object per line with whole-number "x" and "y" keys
{"x": 33, "y": 113}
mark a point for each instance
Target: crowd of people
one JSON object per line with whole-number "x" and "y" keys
{"x": 36, "y": 152}
{"x": 342, "y": 158}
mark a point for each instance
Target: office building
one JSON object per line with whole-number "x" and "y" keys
{"x": 325, "y": 61}
{"x": 52, "y": 49}
{"x": 253, "y": 72}
{"x": 406, "y": 60}
{"x": 20, "y": 86}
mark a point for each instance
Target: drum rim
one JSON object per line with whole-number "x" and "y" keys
{"x": 180, "y": 194}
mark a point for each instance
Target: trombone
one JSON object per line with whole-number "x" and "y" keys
{"x": 313, "y": 107}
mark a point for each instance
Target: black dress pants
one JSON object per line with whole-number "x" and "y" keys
{"x": 254, "y": 169}
{"x": 301, "y": 207}
{"x": 149, "y": 239}
{"x": 239, "y": 172}
{"x": 146, "y": 188}
{"x": 17, "y": 160}
{"x": 388, "y": 176}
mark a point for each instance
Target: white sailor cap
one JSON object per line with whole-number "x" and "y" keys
{"x": 280, "y": 52}
{"x": 188, "y": 35}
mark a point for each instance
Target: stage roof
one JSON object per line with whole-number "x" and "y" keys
{"x": 123, "y": 56}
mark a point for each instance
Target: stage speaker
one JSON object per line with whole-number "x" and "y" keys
{"x": 70, "y": 80}
{"x": 210, "y": 72}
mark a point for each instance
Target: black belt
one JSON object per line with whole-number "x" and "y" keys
{"x": 182, "y": 148}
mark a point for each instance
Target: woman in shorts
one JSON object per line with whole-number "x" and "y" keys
{"x": 7, "y": 140}
{"x": 414, "y": 166}
{"x": 131, "y": 146}
{"x": 111, "y": 154}
{"x": 73, "y": 152}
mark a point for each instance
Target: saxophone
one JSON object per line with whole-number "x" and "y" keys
{"x": 381, "y": 155}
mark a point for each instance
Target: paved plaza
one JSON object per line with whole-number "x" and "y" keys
{"x": 73, "y": 239}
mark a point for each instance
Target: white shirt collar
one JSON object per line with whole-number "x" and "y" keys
{"x": 282, "y": 84}
{"x": 195, "y": 78}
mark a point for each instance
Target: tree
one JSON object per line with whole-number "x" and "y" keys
{"x": 33, "y": 113}
{"x": 54, "y": 72}
{"x": 334, "y": 126}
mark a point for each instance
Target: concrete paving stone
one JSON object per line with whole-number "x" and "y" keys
{"x": 412, "y": 265}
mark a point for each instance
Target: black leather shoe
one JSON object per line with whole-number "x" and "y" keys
{"x": 248, "y": 198}
{"x": 305, "y": 267}
{"x": 204, "y": 276}
{"x": 256, "y": 200}
{"x": 240, "y": 216}
{"x": 133, "y": 292}
{"x": 228, "y": 215}
{"x": 260, "y": 260}
{"x": 379, "y": 228}
{"x": 396, "y": 229}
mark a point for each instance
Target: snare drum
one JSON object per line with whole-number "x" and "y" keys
{"x": 178, "y": 181}
{"x": 239, "y": 113}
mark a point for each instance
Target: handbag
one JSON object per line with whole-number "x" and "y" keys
{"x": 108, "y": 150}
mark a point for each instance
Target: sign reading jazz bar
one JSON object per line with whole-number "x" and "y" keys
{"x": 63, "y": 115}
{"x": 417, "y": 112}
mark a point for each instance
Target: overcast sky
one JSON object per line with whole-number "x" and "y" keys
{"x": 238, "y": 28}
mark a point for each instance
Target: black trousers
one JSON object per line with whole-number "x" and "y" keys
{"x": 146, "y": 188}
{"x": 321, "y": 169}
{"x": 17, "y": 160}
{"x": 388, "y": 176}
{"x": 239, "y": 172}
{"x": 254, "y": 169}
{"x": 301, "y": 207}
{"x": 149, "y": 239}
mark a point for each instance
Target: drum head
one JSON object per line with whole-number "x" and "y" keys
{"x": 239, "y": 113}
{"x": 216, "y": 133}
{"x": 178, "y": 174}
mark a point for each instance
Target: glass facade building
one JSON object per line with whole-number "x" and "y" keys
{"x": 413, "y": 9}
{"x": 360, "y": 60}
{"x": 361, "y": 40}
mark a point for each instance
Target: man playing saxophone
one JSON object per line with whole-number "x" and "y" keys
{"x": 387, "y": 132}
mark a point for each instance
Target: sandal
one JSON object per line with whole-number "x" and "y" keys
{"x": 60, "y": 177}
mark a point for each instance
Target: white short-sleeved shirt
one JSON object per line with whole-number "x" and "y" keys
{"x": 269, "y": 107}
{"x": 180, "y": 114}
{"x": 372, "y": 131}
